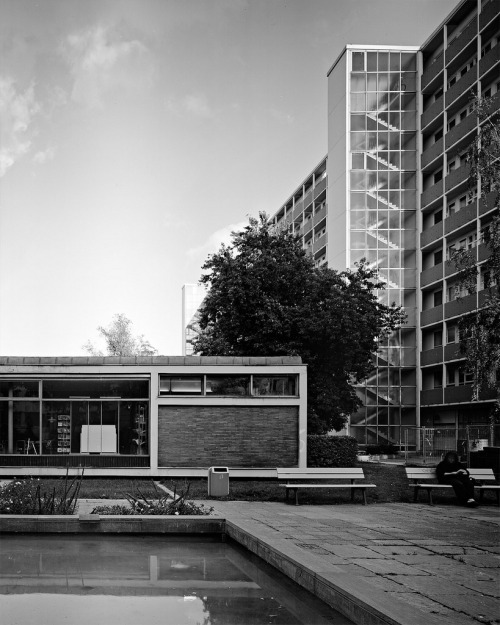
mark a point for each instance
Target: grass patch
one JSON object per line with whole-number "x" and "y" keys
{"x": 107, "y": 488}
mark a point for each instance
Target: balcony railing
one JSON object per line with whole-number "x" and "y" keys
{"x": 431, "y": 356}
{"x": 320, "y": 187}
{"x": 487, "y": 203}
{"x": 430, "y": 72}
{"x": 488, "y": 13}
{"x": 431, "y": 275}
{"x": 452, "y": 352}
{"x": 431, "y": 234}
{"x": 431, "y": 396}
{"x": 464, "y": 215}
{"x": 460, "y": 306}
{"x": 431, "y": 194}
{"x": 489, "y": 60}
{"x": 430, "y": 113}
{"x": 433, "y": 152}
{"x": 463, "y": 39}
{"x": 456, "y": 177}
{"x": 461, "y": 130}
{"x": 320, "y": 215}
{"x": 461, "y": 87}
{"x": 457, "y": 394}
{"x": 431, "y": 315}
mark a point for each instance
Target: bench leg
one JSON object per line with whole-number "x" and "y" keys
{"x": 429, "y": 491}
{"x": 296, "y": 496}
{"x": 364, "y": 496}
{"x": 415, "y": 494}
{"x": 352, "y": 491}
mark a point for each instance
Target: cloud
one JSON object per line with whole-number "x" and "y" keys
{"x": 102, "y": 59}
{"x": 195, "y": 104}
{"x": 43, "y": 156}
{"x": 216, "y": 239}
{"x": 17, "y": 110}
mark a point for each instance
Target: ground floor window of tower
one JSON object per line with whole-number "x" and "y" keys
{"x": 74, "y": 416}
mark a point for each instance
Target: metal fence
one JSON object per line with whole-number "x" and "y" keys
{"x": 429, "y": 445}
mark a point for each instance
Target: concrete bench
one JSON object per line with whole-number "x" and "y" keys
{"x": 303, "y": 478}
{"x": 423, "y": 477}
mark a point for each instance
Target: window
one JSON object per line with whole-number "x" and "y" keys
{"x": 438, "y": 216}
{"x": 438, "y": 379}
{"x": 452, "y": 333}
{"x": 438, "y": 338}
{"x": 438, "y": 176}
{"x": 438, "y": 135}
{"x": 438, "y": 298}
{"x": 275, "y": 385}
{"x": 438, "y": 257}
{"x": 181, "y": 385}
{"x": 227, "y": 385}
{"x": 450, "y": 375}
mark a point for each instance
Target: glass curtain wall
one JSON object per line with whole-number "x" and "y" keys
{"x": 382, "y": 226}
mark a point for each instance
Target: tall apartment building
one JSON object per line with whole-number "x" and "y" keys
{"x": 393, "y": 189}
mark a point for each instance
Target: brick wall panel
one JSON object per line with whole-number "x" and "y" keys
{"x": 243, "y": 436}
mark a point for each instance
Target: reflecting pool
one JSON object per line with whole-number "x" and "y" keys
{"x": 153, "y": 580}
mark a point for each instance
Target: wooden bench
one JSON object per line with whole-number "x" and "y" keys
{"x": 303, "y": 478}
{"x": 422, "y": 477}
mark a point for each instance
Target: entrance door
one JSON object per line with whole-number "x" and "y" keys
{"x": 91, "y": 431}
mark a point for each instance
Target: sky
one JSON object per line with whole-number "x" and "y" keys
{"x": 135, "y": 135}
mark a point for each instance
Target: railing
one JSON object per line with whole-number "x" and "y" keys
{"x": 462, "y": 40}
{"x": 76, "y": 460}
{"x": 430, "y": 445}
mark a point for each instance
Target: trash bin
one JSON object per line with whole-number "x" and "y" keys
{"x": 218, "y": 482}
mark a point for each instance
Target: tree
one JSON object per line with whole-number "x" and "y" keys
{"x": 120, "y": 341}
{"x": 480, "y": 331}
{"x": 266, "y": 298}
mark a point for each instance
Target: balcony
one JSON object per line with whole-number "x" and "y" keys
{"x": 433, "y": 274}
{"x": 456, "y": 177}
{"x": 319, "y": 243}
{"x": 431, "y": 356}
{"x": 483, "y": 252}
{"x": 433, "y": 70}
{"x": 433, "y": 111}
{"x": 457, "y": 394}
{"x": 461, "y": 130}
{"x": 433, "y": 152}
{"x": 431, "y": 396}
{"x": 489, "y": 60}
{"x": 488, "y": 13}
{"x": 487, "y": 203}
{"x": 485, "y": 295}
{"x": 464, "y": 215}
{"x": 320, "y": 215}
{"x": 431, "y": 315}
{"x": 450, "y": 267}
{"x": 308, "y": 224}
{"x": 452, "y": 352}
{"x": 308, "y": 198}
{"x": 297, "y": 209}
{"x": 431, "y": 234}
{"x": 461, "y": 87}
{"x": 460, "y": 306}
{"x": 463, "y": 40}
{"x": 431, "y": 194}
{"x": 320, "y": 187}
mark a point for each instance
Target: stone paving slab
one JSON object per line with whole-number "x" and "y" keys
{"x": 411, "y": 564}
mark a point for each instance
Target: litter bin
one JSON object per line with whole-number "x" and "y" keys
{"x": 218, "y": 482}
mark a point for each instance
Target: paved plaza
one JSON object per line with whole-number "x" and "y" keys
{"x": 412, "y": 563}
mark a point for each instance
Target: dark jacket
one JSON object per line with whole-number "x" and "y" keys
{"x": 446, "y": 467}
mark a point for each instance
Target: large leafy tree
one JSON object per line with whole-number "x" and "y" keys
{"x": 480, "y": 331}
{"x": 265, "y": 298}
{"x": 120, "y": 341}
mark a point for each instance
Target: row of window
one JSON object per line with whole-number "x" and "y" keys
{"x": 380, "y": 141}
{"x": 383, "y": 61}
{"x": 75, "y": 388}
{"x": 384, "y": 160}
{"x": 235, "y": 385}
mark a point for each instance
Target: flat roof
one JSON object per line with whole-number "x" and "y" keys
{"x": 356, "y": 46}
{"x": 253, "y": 361}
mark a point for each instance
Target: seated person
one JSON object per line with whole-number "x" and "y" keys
{"x": 450, "y": 471}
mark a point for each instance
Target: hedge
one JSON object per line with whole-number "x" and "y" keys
{"x": 331, "y": 451}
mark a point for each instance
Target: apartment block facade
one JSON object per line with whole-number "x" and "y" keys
{"x": 393, "y": 188}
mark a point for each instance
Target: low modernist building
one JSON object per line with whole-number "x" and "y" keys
{"x": 152, "y": 416}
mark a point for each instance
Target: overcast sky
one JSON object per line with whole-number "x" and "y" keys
{"x": 136, "y": 134}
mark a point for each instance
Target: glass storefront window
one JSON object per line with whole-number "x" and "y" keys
{"x": 18, "y": 388}
{"x": 181, "y": 385}
{"x": 95, "y": 389}
{"x": 278, "y": 385}
{"x": 19, "y": 427}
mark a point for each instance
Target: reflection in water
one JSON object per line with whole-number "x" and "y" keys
{"x": 55, "y": 580}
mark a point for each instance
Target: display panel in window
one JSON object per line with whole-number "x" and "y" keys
{"x": 275, "y": 385}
